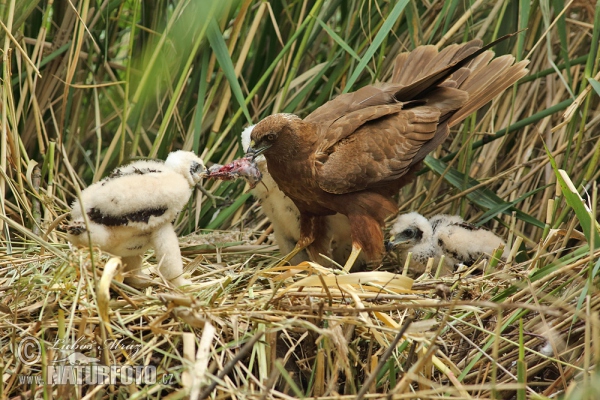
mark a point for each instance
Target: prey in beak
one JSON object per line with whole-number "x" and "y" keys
{"x": 245, "y": 168}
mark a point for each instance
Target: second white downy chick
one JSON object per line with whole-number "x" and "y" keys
{"x": 284, "y": 215}
{"x": 413, "y": 233}
{"x": 463, "y": 243}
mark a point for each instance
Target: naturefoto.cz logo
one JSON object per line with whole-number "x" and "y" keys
{"x": 72, "y": 366}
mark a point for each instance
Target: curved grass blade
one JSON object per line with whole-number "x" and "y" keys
{"x": 589, "y": 226}
{"x": 385, "y": 29}
{"x": 491, "y": 213}
{"x": 595, "y": 84}
{"x": 338, "y": 39}
{"x": 220, "y": 48}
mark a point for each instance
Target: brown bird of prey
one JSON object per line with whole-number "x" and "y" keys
{"x": 133, "y": 209}
{"x": 351, "y": 155}
{"x": 285, "y": 217}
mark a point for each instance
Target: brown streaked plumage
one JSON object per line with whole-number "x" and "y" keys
{"x": 352, "y": 154}
{"x": 285, "y": 217}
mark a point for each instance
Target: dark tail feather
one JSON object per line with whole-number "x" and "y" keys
{"x": 461, "y": 55}
{"x": 488, "y": 82}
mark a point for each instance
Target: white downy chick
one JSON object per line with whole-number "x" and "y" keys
{"x": 413, "y": 233}
{"x": 285, "y": 217}
{"x": 463, "y": 243}
{"x": 133, "y": 209}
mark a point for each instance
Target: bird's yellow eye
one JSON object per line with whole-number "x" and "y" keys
{"x": 270, "y": 137}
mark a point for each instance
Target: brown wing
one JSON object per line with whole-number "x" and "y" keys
{"x": 442, "y": 67}
{"x": 445, "y": 100}
{"x": 425, "y": 61}
{"x": 346, "y": 125}
{"x": 367, "y": 96}
{"x": 409, "y": 68}
{"x": 365, "y": 136}
{"x": 379, "y": 151}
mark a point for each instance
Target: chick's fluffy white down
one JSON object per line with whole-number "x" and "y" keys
{"x": 128, "y": 194}
{"x": 132, "y": 210}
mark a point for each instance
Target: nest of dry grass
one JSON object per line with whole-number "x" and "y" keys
{"x": 251, "y": 330}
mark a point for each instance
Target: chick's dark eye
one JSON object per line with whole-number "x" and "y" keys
{"x": 195, "y": 167}
{"x": 409, "y": 233}
{"x": 270, "y": 137}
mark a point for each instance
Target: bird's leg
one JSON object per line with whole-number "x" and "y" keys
{"x": 356, "y": 249}
{"x": 213, "y": 199}
{"x": 367, "y": 236}
{"x": 135, "y": 277}
{"x": 321, "y": 241}
{"x": 297, "y": 249}
{"x": 168, "y": 255}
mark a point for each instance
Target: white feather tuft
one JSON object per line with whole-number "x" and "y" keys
{"x": 246, "y": 137}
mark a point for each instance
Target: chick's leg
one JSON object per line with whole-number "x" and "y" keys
{"x": 134, "y": 275}
{"x": 168, "y": 255}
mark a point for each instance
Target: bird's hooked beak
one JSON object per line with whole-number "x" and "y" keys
{"x": 255, "y": 152}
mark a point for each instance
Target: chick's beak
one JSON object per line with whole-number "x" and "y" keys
{"x": 254, "y": 152}
{"x": 204, "y": 173}
{"x": 393, "y": 242}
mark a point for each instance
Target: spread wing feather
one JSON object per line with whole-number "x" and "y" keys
{"x": 378, "y": 151}
{"x": 410, "y": 66}
{"x": 440, "y": 69}
{"x": 488, "y": 82}
{"x": 429, "y": 61}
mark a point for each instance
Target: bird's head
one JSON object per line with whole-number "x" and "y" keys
{"x": 410, "y": 230}
{"x": 276, "y": 134}
{"x": 187, "y": 164}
